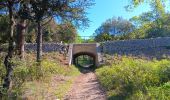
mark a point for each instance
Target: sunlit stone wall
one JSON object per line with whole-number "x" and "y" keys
{"x": 46, "y": 47}
{"x": 155, "y": 48}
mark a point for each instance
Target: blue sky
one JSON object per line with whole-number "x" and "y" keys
{"x": 105, "y": 9}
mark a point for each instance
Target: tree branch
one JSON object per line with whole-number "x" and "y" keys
{"x": 47, "y": 21}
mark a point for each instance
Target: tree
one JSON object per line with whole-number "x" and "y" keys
{"x": 67, "y": 32}
{"x": 150, "y": 24}
{"x": 64, "y": 10}
{"x": 9, "y": 4}
{"x": 144, "y": 18}
{"x": 21, "y": 28}
{"x": 158, "y": 6}
{"x": 78, "y": 39}
{"x": 160, "y": 29}
{"x": 103, "y": 37}
{"x": 20, "y": 24}
{"x": 151, "y": 28}
{"x": 30, "y": 37}
{"x": 4, "y": 28}
{"x": 113, "y": 27}
{"x": 159, "y": 23}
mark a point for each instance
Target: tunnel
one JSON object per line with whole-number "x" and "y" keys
{"x": 84, "y": 59}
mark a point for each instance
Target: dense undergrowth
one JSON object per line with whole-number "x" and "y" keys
{"x": 131, "y": 78}
{"x": 32, "y": 80}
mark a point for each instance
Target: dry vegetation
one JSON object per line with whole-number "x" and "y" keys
{"x": 50, "y": 79}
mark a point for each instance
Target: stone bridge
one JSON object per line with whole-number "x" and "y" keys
{"x": 75, "y": 50}
{"x": 91, "y": 49}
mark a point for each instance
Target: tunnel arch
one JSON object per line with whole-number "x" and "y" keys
{"x": 84, "y": 53}
{"x": 90, "y": 49}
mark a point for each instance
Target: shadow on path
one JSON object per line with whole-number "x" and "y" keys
{"x": 85, "y": 70}
{"x": 86, "y": 86}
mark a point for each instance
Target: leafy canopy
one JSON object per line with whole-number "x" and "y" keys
{"x": 73, "y": 11}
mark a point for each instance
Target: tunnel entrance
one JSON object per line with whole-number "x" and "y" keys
{"x": 84, "y": 60}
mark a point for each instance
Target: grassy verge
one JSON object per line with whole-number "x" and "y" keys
{"x": 49, "y": 79}
{"x": 130, "y": 78}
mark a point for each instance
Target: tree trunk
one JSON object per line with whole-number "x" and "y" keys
{"x": 39, "y": 42}
{"x": 7, "y": 62}
{"x": 21, "y": 28}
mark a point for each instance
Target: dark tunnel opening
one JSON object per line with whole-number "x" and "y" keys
{"x": 84, "y": 60}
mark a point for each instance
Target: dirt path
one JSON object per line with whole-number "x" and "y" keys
{"x": 86, "y": 87}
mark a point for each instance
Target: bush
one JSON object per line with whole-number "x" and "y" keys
{"x": 128, "y": 76}
{"x": 160, "y": 93}
{"x": 28, "y": 71}
{"x": 2, "y": 71}
{"x": 154, "y": 93}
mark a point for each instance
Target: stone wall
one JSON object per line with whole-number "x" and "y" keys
{"x": 157, "y": 47}
{"x": 46, "y": 47}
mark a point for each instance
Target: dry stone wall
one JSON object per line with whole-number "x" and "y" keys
{"x": 46, "y": 47}
{"x": 157, "y": 47}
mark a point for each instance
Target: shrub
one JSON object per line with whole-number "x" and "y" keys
{"x": 160, "y": 93}
{"x": 28, "y": 70}
{"x": 2, "y": 71}
{"x": 128, "y": 76}
{"x": 154, "y": 93}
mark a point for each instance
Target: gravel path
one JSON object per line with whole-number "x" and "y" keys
{"x": 86, "y": 87}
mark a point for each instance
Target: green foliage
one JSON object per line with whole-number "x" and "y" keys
{"x": 72, "y": 11}
{"x": 142, "y": 19}
{"x": 53, "y": 32}
{"x": 150, "y": 27}
{"x": 2, "y": 68}
{"x": 154, "y": 93}
{"x": 103, "y": 37}
{"x": 128, "y": 77}
{"x": 111, "y": 28}
{"x": 91, "y": 40}
{"x": 158, "y": 6}
{"x": 29, "y": 71}
{"x": 84, "y": 61}
{"x": 152, "y": 24}
{"x": 39, "y": 71}
{"x": 139, "y": 33}
{"x": 146, "y": 26}
{"x": 66, "y": 32}
{"x": 78, "y": 39}
{"x": 4, "y": 28}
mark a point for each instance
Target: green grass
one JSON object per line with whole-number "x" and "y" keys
{"x": 132, "y": 78}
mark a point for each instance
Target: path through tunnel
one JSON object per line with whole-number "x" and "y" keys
{"x": 84, "y": 60}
